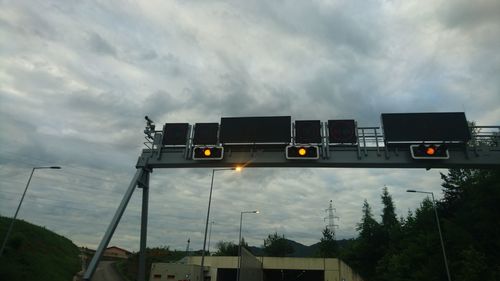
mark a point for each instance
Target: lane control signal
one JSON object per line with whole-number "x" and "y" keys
{"x": 304, "y": 152}
{"x": 429, "y": 151}
{"x": 208, "y": 153}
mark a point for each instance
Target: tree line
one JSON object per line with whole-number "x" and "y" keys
{"x": 409, "y": 248}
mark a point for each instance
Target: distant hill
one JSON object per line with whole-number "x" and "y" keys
{"x": 300, "y": 250}
{"x": 35, "y": 253}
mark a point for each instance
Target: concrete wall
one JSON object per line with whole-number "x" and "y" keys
{"x": 174, "y": 272}
{"x": 347, "y": 274}
{"x": 334, "y": 269}
{"x": 250, "y": 267}
{"x": 220, "y": 262}
{"x": 299, "y": 263}
{"x": 212, "y": 263}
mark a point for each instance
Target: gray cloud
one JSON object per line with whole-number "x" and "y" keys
{"x": 465, "y": 14}
{"x": 339, "y": 25}
{"x": 99, "y": 45}
{"x": 26, "y": 22}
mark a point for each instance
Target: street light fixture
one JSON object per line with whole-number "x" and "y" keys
{"x": 21, "y": 202}
{"x": 439, "y": 228}
{"x": 239, "y": 241}
{"x": 208, "y": 214}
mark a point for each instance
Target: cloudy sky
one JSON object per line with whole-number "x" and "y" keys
{"x": 77, "y": 78}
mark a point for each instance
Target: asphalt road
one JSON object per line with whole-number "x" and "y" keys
{"x": 106, "y": 272}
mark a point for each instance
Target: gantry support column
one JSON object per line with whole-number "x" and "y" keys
{"x": 114, "y": 223}
{"x": 144, "y": 184}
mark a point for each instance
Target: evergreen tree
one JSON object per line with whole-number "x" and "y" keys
{"x": 389, "y": 219}
{"x": 454, "y": 184}
{"x": 416, "y": 255}
{"x": 391, "y": 227}
{"x": 470, "y": 226}
{"x": 471, "y": 222}
{"x": 327, "y": 244}
{"x": 368, "y": 225}
{"x": 368, "y": 251}
{"x": 226, "y": 248}
{"x": 277, "y": 246}
{"x": 457, "y": 179}
{"x": 390, "y": 233}
{"x": 473, "y": 266}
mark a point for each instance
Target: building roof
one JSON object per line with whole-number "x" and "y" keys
{"x": 118, "y": 248}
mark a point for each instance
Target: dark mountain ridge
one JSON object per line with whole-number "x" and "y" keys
{"x": 300, "y": 250}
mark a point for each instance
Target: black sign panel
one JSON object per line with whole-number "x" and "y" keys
{"x": 419, "y": 127}
{"x": 342, "y": 131}
{"x": 205, "y": 133}
{"x": 255, "y": 129}
{"x": 175, "y": 133}
{"x": 308, "y": 131}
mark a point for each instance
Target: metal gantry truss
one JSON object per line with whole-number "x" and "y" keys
{"x": 370, "y": 151}
{"x": 483, "y": 151}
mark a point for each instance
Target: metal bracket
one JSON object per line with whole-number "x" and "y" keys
{"x": 189, "y": 142}
{"x": 157, "y": 143}
{"x": 143, "y": 182}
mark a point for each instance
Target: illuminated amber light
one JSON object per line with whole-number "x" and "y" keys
{"x": 430, "y": 151}
{"x": 238, "y": 169}
{"x": 302, "y": 151}
{"x": 207, "y": 152}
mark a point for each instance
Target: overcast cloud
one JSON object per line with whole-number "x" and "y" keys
{"x": 77, "y": 78}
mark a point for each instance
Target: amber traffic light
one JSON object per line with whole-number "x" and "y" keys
{"x": 305, "y": 152}
{"x": 429, "y": 151}
{"x": 208, "y": 153}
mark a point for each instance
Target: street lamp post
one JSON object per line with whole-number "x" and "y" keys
{"x": 208, "y": 216}
{"x": 239, "y": 241}
{"x": 439, "y": 229}
{"x": 210, "y": 235}
{"x": 19, "y": 206}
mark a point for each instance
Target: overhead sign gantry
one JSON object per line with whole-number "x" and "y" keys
{"x": 405, "y": 140}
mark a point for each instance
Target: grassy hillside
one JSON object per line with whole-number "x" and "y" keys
{"x": 35, "y": 253}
